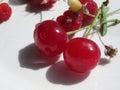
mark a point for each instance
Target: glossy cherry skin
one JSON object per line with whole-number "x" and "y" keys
{"x": 92, "y": 7}
{"x": 50, "y": 38}
{"x": 81, "y": 55}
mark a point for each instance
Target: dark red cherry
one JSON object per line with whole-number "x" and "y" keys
{"x": 81, "y": 55}
{"x": 50, "y": 38}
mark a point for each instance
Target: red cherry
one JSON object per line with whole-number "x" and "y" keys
{"x": 50, "y": 38}
{"x": 92, "y": 8}
{"x": 84, "y": 1}
{"x": 81, "y": 55}
{"x": 5, "y": 12}
{"x": 42, "y": 4}
{"x": 70, "y": 20}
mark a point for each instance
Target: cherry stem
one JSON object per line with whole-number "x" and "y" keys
{"x": 113, "y": 12}
{"x": 88, "y": 14}
{"x": 75, "y": 31}
{"x": 93, "y": 24}
{"x": 115, "y": 21}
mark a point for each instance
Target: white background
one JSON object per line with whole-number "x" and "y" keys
{"x": 22, "y": 68}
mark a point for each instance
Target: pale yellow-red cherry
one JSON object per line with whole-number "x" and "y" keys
{"x": 75, "y": 5}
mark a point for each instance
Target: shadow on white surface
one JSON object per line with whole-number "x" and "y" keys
{"x": 60, "y": 74}
{"x": 30, "y": 57}
{"x": 104, "y": 61}
{"x": 30, "y": 6}
{"x": 17, "y": 2}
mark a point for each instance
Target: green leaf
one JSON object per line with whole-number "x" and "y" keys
{"x": 103, "y": 26}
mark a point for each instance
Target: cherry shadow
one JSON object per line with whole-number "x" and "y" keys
{"x": 30, "y": 57}
{"x": 30, "y": 6}
{"x": 60, "y": 74}
{"x": 18, "y": 2}
{"x": 35, "y": 9}
{"x": 104, "y": 61}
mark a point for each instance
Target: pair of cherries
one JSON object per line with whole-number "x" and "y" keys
{"x": 80, "y": 54}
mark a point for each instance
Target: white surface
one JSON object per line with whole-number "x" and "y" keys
{"x": 18, "y": 57}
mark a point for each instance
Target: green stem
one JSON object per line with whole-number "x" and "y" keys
{"x": 111, "y": 20}
{"x": 75, "y": 31}
{"x": 97, "y": 23}
{"x": 93, "y": 24}
{"x": 88, "y": 14}
{"x": 103, "y": 26}
{"x": 113, "y": 12}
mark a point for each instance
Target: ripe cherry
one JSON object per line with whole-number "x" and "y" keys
{"x": 42, "y": 4}
{"x": 5, "y": 12}
{"x": 70, "y": 20}
{"x": 50, "y": 38}
{"x": 90, "y": 7}
{"x": 81, "y": 55}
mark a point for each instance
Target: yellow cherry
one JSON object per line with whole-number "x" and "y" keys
{"x": 75, "y": 5}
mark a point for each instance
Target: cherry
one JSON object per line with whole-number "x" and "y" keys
{"x": 42, "y": 4}
{"x": 70, "y": 20}
{"x": 50, "y": 38}
{"x": 90, "y": 7}
{"x": 84, "y": 1}
{"x": 81, "y": 55}
{"x": 74, "y": 5}
{"x": 5, "y": 12}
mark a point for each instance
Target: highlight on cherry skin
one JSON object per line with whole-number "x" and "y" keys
{"x": 81, "y": 55}
{"x": 50, "y": 38}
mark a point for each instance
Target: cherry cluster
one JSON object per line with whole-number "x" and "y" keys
{"x": 71, "y": 20}
{"x": 6, "y": 11}
{"x": 52, "y": 36}
{"x": 80, "y": 54}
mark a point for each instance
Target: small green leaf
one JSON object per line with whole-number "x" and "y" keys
{"x": 103, "y": 29}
